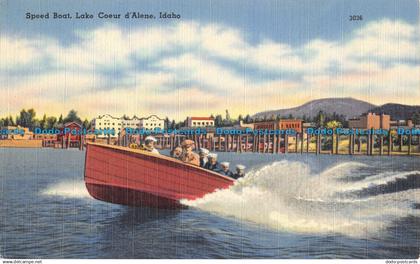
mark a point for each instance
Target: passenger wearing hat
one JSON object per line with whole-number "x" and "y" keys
{"x": 225, "y": 169}
{"x": 212, "y": 164}
{"x": 149, "y": 145}
{"x": 203, "y": 157}
{"x": 188, "y": 155}
{"x": 176, "y": 152}
{"x": 240, "y": 171}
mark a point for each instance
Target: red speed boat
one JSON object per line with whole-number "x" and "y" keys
{"x": 134, "y": 177}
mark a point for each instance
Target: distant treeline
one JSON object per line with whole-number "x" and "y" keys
{"x": 27, "y": 118}
{"x": 320, "y": 120}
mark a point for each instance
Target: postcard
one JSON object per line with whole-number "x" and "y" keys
{"x": 177, "y": 129}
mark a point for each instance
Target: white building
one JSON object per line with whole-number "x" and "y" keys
{"x": 200, "y": 121}
{"x": 131, "y": 123}
{"x": 107, "y": 122}
{"x": 151, "y": 122}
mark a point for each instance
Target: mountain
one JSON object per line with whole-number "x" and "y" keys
{"x": 347, "y": 107}
{"x": 397, "y": 111}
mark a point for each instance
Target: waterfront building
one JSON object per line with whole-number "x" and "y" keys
{"x": 70, "y": 134}
{"x": 402, "y": 124}
{"x": 117, "y": 124}
{"x": 151, "y": 122}
{"x": 245, "y": 125}
{"x": 129, "y": 123}
{"x": 195, "y": 121}
{"x": 48, "y": 140}
{"x": 370, "y": 121}
{"x": 283, "y": 124}
{"x": 108, "y": 123}
{"x": 16, "y": 133}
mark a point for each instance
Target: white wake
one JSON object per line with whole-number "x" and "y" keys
{"x": 67, "y": 189}
{"x": 286, "y": 196}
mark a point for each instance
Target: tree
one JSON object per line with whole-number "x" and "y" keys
{"x": 248, "y": 119}
{"x": 320, "y": 119}
{"x": 227, "y": 116}
{"x": 36, "y": 123}
{"x": 10, "y": 121}
{"x": 416, "y": 118}
{"x": 51, "y": 122}
{"x": 218, "y": 121}
{"x": 86, "y": 124}
{"x": 72, "y": 117}
{"x": 240, "y": 118}
{"x": 167, "y": 123}
{"x": 26, "y": 118}
{"x": 179, "y": 124}
{"x": 43, "y": 122}
{"x": 333, "y": 124}
{"x": 60, "y": 120}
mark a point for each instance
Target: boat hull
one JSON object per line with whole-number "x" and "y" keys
{"x": 136, "y": 178}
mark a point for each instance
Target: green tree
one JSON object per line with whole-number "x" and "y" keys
{"x": 227, "y": 116}
{"x": 86, "y": 124}
{"x": 51, "y": 122}
{"x": 10, "y": 121}
{"x": 240, "y": 118}
{"x": 320, "y": 119}
{"x": 218, "y": 121}
{"x": 60, "y": 120}
{"x": 167, "y": 123}
{"x": 333, "y": 124}
{"x": 248, "y": 119}
{"x": 43, "y": 122}
{"x": 416, "y": 118}
{"x": 26, "y": 118}
{"x": 72, "y": 117}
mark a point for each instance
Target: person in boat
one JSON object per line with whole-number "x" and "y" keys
{"x": 188, "y": 156}
{"x": 240, "y": 172}
{"x": 203, "y": 157}
{"x": 149, "y": 145}
{"x": 176, "y": 152}
{"x": 225, "y": 169}
{"x": 212, "y": 164}
{"x": 133, "y": 146}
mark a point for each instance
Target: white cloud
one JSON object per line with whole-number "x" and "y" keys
{"x": 180, "y": 69}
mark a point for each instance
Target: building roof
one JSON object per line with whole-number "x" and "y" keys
{"x": 102, "y": 116}
{"x": 151, "y": 116}
{"x": 129, "y": 119}
{"x": 72, "y": 122}
{"x": 201, "y": 118}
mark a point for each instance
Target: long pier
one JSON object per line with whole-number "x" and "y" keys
{"x": 301, "y": 143}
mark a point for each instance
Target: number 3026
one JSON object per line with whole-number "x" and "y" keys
{"x": 355, "y": 17}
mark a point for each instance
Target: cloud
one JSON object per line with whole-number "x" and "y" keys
{"x": 191, "y": 68}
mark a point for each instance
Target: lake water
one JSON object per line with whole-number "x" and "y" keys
{"x": 294, "y": 206}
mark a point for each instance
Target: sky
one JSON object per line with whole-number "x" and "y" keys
{"x": 244, "y": 56}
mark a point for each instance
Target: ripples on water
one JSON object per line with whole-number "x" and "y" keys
{"x": 287, "y": 207}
